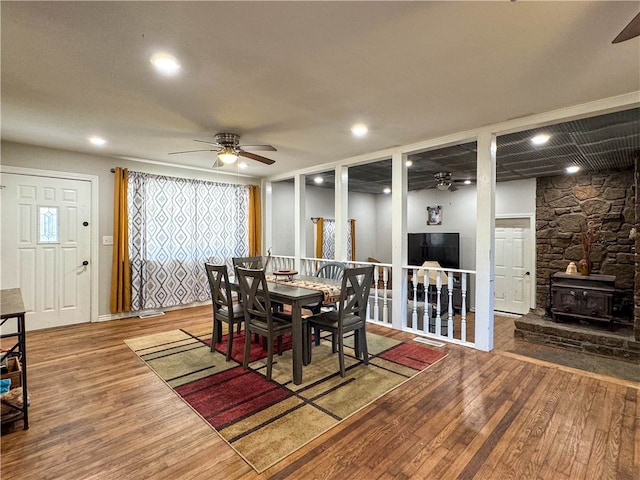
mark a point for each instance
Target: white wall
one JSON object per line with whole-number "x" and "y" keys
{"x": 516, "y": 197}
{"x": 283, "y": 228}
{"x": 362, "y": 208}
{"x": 320, "y": 203}
{"x": 28, "y": 156}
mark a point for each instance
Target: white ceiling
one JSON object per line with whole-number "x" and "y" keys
{"x": 297, "y": 75}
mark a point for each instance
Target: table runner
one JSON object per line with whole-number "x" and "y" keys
{"x": 331, "y": 292}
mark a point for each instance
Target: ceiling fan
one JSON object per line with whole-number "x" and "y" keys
{"x": 444, "y": 181}
{"x": 228, "y": 147}
{"x": 632, "y": 30}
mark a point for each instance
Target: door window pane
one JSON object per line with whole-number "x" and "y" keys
{"x": 48, "y": 224}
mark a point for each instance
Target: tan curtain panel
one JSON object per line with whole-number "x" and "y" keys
{"x": 255, "y": 221}
{"x": 120, "y": 273}
{"x": 352, "y": 224}
{"x": 319, "y": 239}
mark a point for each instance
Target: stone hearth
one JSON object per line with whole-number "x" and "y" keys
{"x": 616, "y": 341}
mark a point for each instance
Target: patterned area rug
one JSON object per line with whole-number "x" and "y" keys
{"x": 264, "y": 421}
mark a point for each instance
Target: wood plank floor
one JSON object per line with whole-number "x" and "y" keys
{"x": 99, "y": 413}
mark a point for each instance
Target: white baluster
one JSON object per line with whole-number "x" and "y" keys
{"x": 450, "y": 310}
{"x": 463, "y": 311}
{"x": 376, "y": 313}
{"x": 385, "y": 301}
{"x": 438, "y": 304}
{"x": 426, "y": 313}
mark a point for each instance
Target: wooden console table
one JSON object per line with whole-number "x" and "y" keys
{"x": 587, "y": 297}
{"x": 12, "y": 306}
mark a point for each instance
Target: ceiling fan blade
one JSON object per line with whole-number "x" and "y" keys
{"x": 207, "y": 141}
{"x": 265, "y": 148}
{"x": 464, "y": 182}
{"x": 258, "y": 158}
{"x": 630, "y": 31}
{"x": 192, "y": 151}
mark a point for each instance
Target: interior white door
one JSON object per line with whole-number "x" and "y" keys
{"x": 46, "y": 247}
{"x": 512, "y": 266}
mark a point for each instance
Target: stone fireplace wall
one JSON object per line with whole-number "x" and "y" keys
{"x": 564, "y": 205}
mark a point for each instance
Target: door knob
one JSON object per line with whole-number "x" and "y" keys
{"x": 85, "y": 263}
{"x": 85, "y": 224}
{"x": 527, "y": 273}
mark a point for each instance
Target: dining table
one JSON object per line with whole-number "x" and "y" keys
{"x": 289, "y": 292}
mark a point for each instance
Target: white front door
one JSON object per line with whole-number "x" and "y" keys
{"x": 46, "y": 247}
{"x": 513, "y": 266}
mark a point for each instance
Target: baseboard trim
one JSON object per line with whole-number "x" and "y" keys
{"x": 149, "y": 313}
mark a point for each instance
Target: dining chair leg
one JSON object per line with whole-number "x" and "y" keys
{"x": 247, "y": 350}
{"x": 269, "y": 356}
{"x": 215, "y": 334}
{"x": 316, "y": 332}
{"x": 239, "y": 328}
{"x": 230, "y": 342}
{"x": 357, "y": 346}
{"x": 341, "y": 354}
{"x": 279, "y": 344}
{"x": 363, "y": 346}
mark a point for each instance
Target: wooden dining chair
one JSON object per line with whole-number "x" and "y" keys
{"x": 224, "y": 310}
{"x": 334, "y": 271}
{"x": 259, "y": 317}
{"x": 351, "y": 315}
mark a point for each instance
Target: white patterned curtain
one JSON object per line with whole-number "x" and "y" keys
{"x": 329, "y": 239}
{"x": 175, "y": 225}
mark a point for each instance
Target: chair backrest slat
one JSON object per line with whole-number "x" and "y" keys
{"x": 255, "y": 294}
{"x": 219, "y": 285}
{"x": 354, "y": 292}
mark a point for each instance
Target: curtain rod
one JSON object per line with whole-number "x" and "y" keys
{"x": 315, "y": 219}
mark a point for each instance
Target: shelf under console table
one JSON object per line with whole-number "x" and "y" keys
{"x": 12, "y": 306}
{"x": 588, "y": 297}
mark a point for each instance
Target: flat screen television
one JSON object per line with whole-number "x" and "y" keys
{"x": 444, "y": 248}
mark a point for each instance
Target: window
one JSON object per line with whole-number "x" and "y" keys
{"x": 48, "y": 225}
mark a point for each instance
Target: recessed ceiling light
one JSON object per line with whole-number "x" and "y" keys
{"x": 359, "y": 130}
{"x": 572, "y": 169}
{"x": 97, "y": 141}
{"x": 540, "y": 139}
{"x": 408, "y": 163}
{"x": 467, "y": 182}
{"x": 243, "y": 165}
{"x": 386, "y": 190}
{"x": 165, "y": 64}
{"x": 318, "y": 179}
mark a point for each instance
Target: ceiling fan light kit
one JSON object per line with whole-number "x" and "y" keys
{"x": 443, "y": 180}
{"x": 227, "y": 155}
